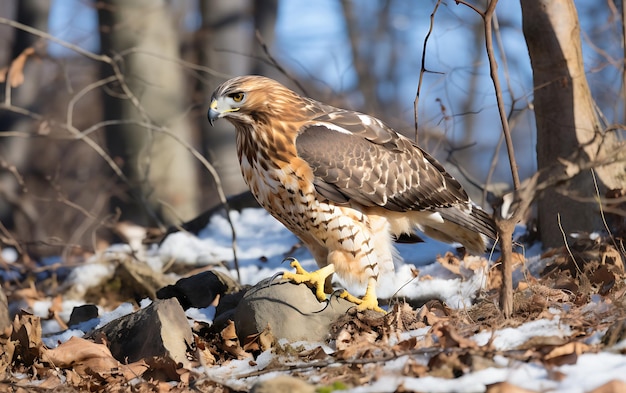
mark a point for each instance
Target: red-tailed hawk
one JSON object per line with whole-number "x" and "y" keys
{"x": 344, "y": 182}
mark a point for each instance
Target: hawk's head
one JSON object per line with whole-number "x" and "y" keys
{"x": 246, "y": 100}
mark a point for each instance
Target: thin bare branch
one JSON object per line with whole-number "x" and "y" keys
{"x": 423, "y": 69}
{"x": 493, "y": 68}
{"x": 183, "y": 63}
{"x": 276, "y": 64}
{"x": 504, "y": 226}
{"x": 50, "y": 37}
{"x": 472, "y": 6}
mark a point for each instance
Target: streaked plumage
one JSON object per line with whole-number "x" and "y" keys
{"x": 342, "y": 181}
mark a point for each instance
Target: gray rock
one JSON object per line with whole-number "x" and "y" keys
{"x": 160, "y": 330}
{"x": 290, "y": 310}
{"x": 282, "y": 384}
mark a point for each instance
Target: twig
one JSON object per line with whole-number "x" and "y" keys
{"x": 50, "y": 37}
{"x": 276, "y": 64}
{"x": 182, "y": 63}
{"x": 332, "y": 361}
{"x": 423, "y": 69}
{"x": 504, "y": 225}
{"x": 505, "y": 66}
{"x": 493, "y": 69}
{"x": 472, "y": 6}
{"x": 569, "y": 251}
{"x": 599, "y": 200}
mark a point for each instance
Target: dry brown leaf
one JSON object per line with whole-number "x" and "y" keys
{"x": 610, "y": 256}
{"x": 433, "y": 312}
{"x": 447, "y": 365}
{"x": 16, "y": 70}
{"x": 88, "y": 358}
{"x": 613, "y": 386}
{"x": 603, "y": 277}
{"x": 474, "y": 263}
{"x": 537, "y": 342}
{"x": 362, "y": 350}
{"x": 76, "y": 350}
{"x": 259, "y": 342}
{"x": 414, "y": 343}
{"x": 349, "y": 341}
{"x": 50, "y": 383}
{"x": 505, "y": 387}
{"x": 449, "y": 337}
{"x": 27, "y": 334}
{"x": 407, "y": 345}
{"x": 55, "y": 308}
{"x": 574, "y": 347}
{"x": 230, "y": 342}
{"x": 316, "y": 353}
{"x": 414, "y": 369}
{"x": 550, "y": 294}
{"x": 615, "y": 333}
{"x": 450, "y": 262}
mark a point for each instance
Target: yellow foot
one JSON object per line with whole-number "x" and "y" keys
{"x": 364, "y": 303}
{"x": 367, "y": 302}
{"x": 314, "y": 279}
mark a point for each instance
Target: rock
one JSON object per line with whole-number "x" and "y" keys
{"x": 225, "y": 309}
{"x": 199, "y": 290}
{"x": 160, "y": 330}
{"x": 290, "y": 310}
{"x": 5, "y": 318}
{"x": 282, "y": 384}
{"x": 83, "y": 313}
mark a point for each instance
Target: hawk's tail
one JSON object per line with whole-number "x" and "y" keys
{"x": 473, "y": 218}
{"x": 474, "y": 229}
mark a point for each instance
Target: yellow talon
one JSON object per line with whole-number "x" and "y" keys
{"x": 314, "y": 279}
{"x": 317, "y": 280}
{"x": 368, "y": 302}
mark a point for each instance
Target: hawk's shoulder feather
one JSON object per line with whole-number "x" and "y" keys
{"x": 356, "y": 157}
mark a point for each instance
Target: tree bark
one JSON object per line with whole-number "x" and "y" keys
{"x": 228, "y": 45}
{"x": 161, "y": 172}
{"x": 225, "y": 46}
{"x": 16, "y": 208}
{"x": 567, "y": 123}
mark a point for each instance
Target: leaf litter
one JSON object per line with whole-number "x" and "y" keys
{"x": 574, "y": 304}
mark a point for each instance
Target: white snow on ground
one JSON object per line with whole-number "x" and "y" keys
{"x": 262, "y": 245}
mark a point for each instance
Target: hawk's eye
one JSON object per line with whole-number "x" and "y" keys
{"x": 237, "y": 97}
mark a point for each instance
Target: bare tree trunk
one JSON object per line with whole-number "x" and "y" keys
{"x": 362, "y": 58}
{"x": 225, "y": 46}
{"x": 265, "y": 13}
{"x": 162, "y": 173}
{"x": 228, "y": 45}
{"x": 567, "y": 124}
{"x": 15, "y": 151}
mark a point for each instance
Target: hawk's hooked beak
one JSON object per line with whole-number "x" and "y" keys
{"x": 213, "y": 113}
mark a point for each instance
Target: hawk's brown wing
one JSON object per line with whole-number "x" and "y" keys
{"x": 356, "y": 157}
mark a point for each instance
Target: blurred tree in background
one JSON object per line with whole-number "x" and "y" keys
{"x": 99, "y": 129}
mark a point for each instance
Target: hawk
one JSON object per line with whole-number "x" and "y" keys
{"x": 342, "y": 181}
